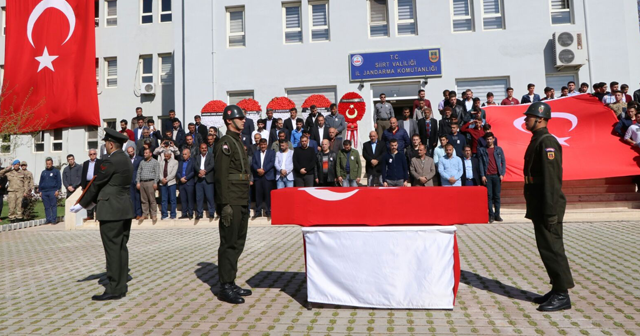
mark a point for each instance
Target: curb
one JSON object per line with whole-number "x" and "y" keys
{"x": 24, "y": 225}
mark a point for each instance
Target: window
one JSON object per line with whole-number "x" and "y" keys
{"x": 378, "y": 18}
{"x": 561, "y": 12}
{"x": 97, "y": 72}
{"x": 292, "y": 23}
{"x": 38, "y": 142}
{"x": 235, "y": 97}
{"x": 96, "y": 9}
{"x": 146, "y": 11}
{"x": 111, "y": 123}
{"x": 92, "y": 137}
{"x": 166, "y": 69}
{"x": 165, "y": 11}
{"x": 298, "y": 96}
{"x": 480, "y": 88}
{"x": 406, "y": 17}
{"x": 4, "y": 20}
{"x": 5, "y": 144}
{"x": 146, "y": 69}
{"x": 557, "y": 82}
{"x": 462, "y": 15}
{"x": 111, "y": 10}
{"x": 56, "y": 143}
{"x": 111, "y": 72}
{"x": 319, "y": 12}
{"x": 235, "y": 20}
{"x": 492, "y": 18}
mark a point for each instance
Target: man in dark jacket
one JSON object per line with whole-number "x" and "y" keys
{"x": 204, "y": 181}
{"x": 428, "y": 129}
{"x": 201, "y": 129}
{"x": 470, "y": 169}
{"x": 133, "y": 190}
{"x": 264, "y": 175}
{"x": 71, "y": 176}
{"x": 304, "y": 164}
{"x": 50, "y": 184}
{"x": 492, "y": 170}
{"x": 186, "y": 182}
{"x": 89, "y": 170}
{"x": 325, "y": 173}
{"x": 395, "y": 170}
{"x": 373, "y": 152}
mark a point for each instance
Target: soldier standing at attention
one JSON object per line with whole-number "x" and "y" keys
{"x": 28, "y": 177}
{"x": 546, "y": 204}
{"x": 16, "y": 191}
{"x": 231, "y": 183}
{"x": 110, "y": 192}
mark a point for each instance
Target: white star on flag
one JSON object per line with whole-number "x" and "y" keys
{"x": 46, "y": 60}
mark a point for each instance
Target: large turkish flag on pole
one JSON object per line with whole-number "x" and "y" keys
{"x": 582, "y": 125}
{"x": 49, "y": 65}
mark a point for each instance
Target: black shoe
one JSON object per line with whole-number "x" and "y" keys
{"x": 490, "y": 219}
{"x": 498, "y": 219}
{"x": 542, "y": 299}
{"x": 254, "y": 217}
{"x": 269, "y": 218}
{"x": 184, "y": 217}
{"x": 227, "y": 294}
{"x": 557, "y": 301}
{"x": 198, "y": 217}
{"x": 107, "y": 296}
{"x": 241, "y": 291}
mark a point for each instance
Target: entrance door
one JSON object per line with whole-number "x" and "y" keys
{"x": 400, "y": 95}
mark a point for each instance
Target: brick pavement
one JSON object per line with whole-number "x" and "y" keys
{"x": 47, "y": 278}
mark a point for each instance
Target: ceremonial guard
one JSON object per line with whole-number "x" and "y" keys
{"x": 546, "y": 205}
{"x": 110, "y": 194}
{"x": 231, "y": 195}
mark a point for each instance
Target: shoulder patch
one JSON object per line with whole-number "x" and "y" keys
{"x": 103, "y": 166}
{"x": 225, "y": 148}
{"x": 551, "y": 155}
{"x": 550, "y": 149}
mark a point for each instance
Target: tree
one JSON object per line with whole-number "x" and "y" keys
{"x": 19, "y": 120}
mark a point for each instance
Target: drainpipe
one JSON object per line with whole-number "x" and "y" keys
{"x": 184, "y": 85}
{"x": 586, "y": 32}
{"x": 213, "y": 53}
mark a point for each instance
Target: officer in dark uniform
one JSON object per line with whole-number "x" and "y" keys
{"x": 231, "y": 197}
{"x": 546, "y": 204}
{"x": 110, "y": 193}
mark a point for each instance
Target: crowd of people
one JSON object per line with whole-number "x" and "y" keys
{"x": 413, "y": 149}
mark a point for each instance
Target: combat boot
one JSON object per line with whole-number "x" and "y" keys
{"x": 227, "y": 294}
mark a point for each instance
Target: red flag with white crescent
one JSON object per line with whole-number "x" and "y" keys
{"x": 49, "y": 78}
{"x": 583, "y": 127}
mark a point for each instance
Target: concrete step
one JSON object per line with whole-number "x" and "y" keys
{"x": 583, "y": 190}
{"x": 609, "y": 206}
{"x": 625, "y": 180}
{"x": 173, "y": 223}
{"x": 601, "y": 197}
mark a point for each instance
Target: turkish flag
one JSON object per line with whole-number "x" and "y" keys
{"x": 49, "y": 78}
{"x": 582, "y": 125}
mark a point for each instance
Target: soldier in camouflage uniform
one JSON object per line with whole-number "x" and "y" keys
{"x": 28, "y": 177}
{"x": 17, "y": 189}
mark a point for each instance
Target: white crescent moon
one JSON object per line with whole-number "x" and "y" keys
{"x": 62, "y": 6}
{"x": 328, "y": 195}
{"x": 562, "y": 115}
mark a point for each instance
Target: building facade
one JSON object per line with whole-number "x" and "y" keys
{"x": 232, "y": 49}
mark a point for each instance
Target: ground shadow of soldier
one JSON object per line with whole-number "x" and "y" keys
{"x": 495, "y": 286}
{"x": 102, "y": 278}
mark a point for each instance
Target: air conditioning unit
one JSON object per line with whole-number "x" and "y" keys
{"x": 148, "y": 89}
{"x": 570, "y": 49}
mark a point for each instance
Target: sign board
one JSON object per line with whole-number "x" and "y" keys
{"x": 395, "y": 64}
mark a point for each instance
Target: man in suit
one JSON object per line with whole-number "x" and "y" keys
{"x": 422, "y": 169}
{"x": 270, "y": 121}
{"x": 109, "y": 192}
{"x": 373, "y": 151}
{"x": 186, "y": 181}
{"x": 320, "y": 131}
{"x": 204, "y": 181}
{"x": 133, "y": 190}
{"x": 407, "y": 123}
{"x": 290, "y": 123}
{"x": 263, "y": 167}
{"x": 396, "y": 133}
{"x": 197, "y": 139}
{"x": 89, "y": 170}
{"x": 249, "y": 127}
{"x": 312, "y": 118}
{"x": 335, "y": 143}
{"x": 531, "y": 96}
{"x": 470, "y": 169}
{"x": 273, "y": 134}
{"x": 200, "y": 128}
{"x": 139, "y": 115}
{"x": 137, "y": 132}
{"x": 153, "y": 131}
{"x": 167, "y": 124}
{"x": 147, "y": 141}
{"x": 282, "y": 135}
{"x": 336, "y": 120}
{"x": 428, "y": 130}
{"x": 178, "y": 135}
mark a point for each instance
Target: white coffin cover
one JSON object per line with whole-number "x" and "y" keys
{"x": 382, "y": 267}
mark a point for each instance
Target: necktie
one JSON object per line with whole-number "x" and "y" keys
{"x": 428, "y": 122}
{"x": 166, "y": 169}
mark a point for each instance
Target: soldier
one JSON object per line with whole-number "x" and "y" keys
{"x": 110, "y": 192}
{"x": 231, "y": 183}
{"x": 16, "y": 191}
{"x": 546, "y": 204}
{"x": 28, "y": 177}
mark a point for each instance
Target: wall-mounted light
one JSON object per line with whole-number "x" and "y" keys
{"x": 361, "y": 86}
{"x": 425, "y": 81}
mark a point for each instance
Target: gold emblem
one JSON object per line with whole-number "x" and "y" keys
{"x": 434, "y": 55}
{"x": 551, "y": 155}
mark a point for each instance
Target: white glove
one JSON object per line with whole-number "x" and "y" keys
{"x": 76, "y": 208}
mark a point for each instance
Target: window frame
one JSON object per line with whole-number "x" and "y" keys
{"x": 54, "y": 142}
{"x": 1, "y": 78}
{"x": 371, "y": 23}
{"x": 240, "y": 93}
{"x": 97, "y": 72}
{"x": 4, "y": 21}
{"x": 570, "y": 10}
{"x": 143, "y": 14}
{"x": 39, "y": 139}
{"x": 286, "y": 30}
{"x": 488, "y": 16}
{"x": 414, "y": 20}
{"x": 244, "y": 26}
{"x": 163, "y": 12}
{"x": 105, "y": 124}
{"x": 106, "y": 13}
{"x": 161, "y": 57}
{"x": 312, "y": 27}
{"x": 106, "y": 72}
{"x": 87, "y": 139}
{"x": 141, "y": 72}
{"x": 459, "y": 18}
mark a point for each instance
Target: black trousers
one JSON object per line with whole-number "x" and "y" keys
{"x": 551, "y": 248}
{"x": 263, "y": 194}
{"x": 494, "y": 186}
{"x": 232, "y": 240}
{"x": 303, "y": 180}
{"x": 115, "y": 236}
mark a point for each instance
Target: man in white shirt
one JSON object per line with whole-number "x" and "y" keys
{"x": 445, "y": 101}
{"x": 321, "y": 131}
{"x": 264, "y": 133}
{"x": 632, "y": 137}
{"x": 571, "y": 85}
{"x": 468, "y": 99}
{"x": 284, "y": 166}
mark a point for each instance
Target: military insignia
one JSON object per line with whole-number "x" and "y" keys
{"x": 225, "y": 149}
{"x": 551, "y": 153}
{"x": 541, "y": 109}
{"x": 103, "y": 167}
{"x": 434, "y": 55}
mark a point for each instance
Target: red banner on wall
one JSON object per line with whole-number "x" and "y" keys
{"x": 50, "y": 63}
{"x": 582, "y": 125}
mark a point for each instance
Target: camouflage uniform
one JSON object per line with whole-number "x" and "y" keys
{"x": 16, "y": 191}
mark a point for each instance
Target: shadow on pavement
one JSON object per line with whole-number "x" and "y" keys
{"x": 208, "y": 273}
{"x": 102, "y": 278}
{"x": 495, "y": 286}
{"x": 293, "y": 284}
